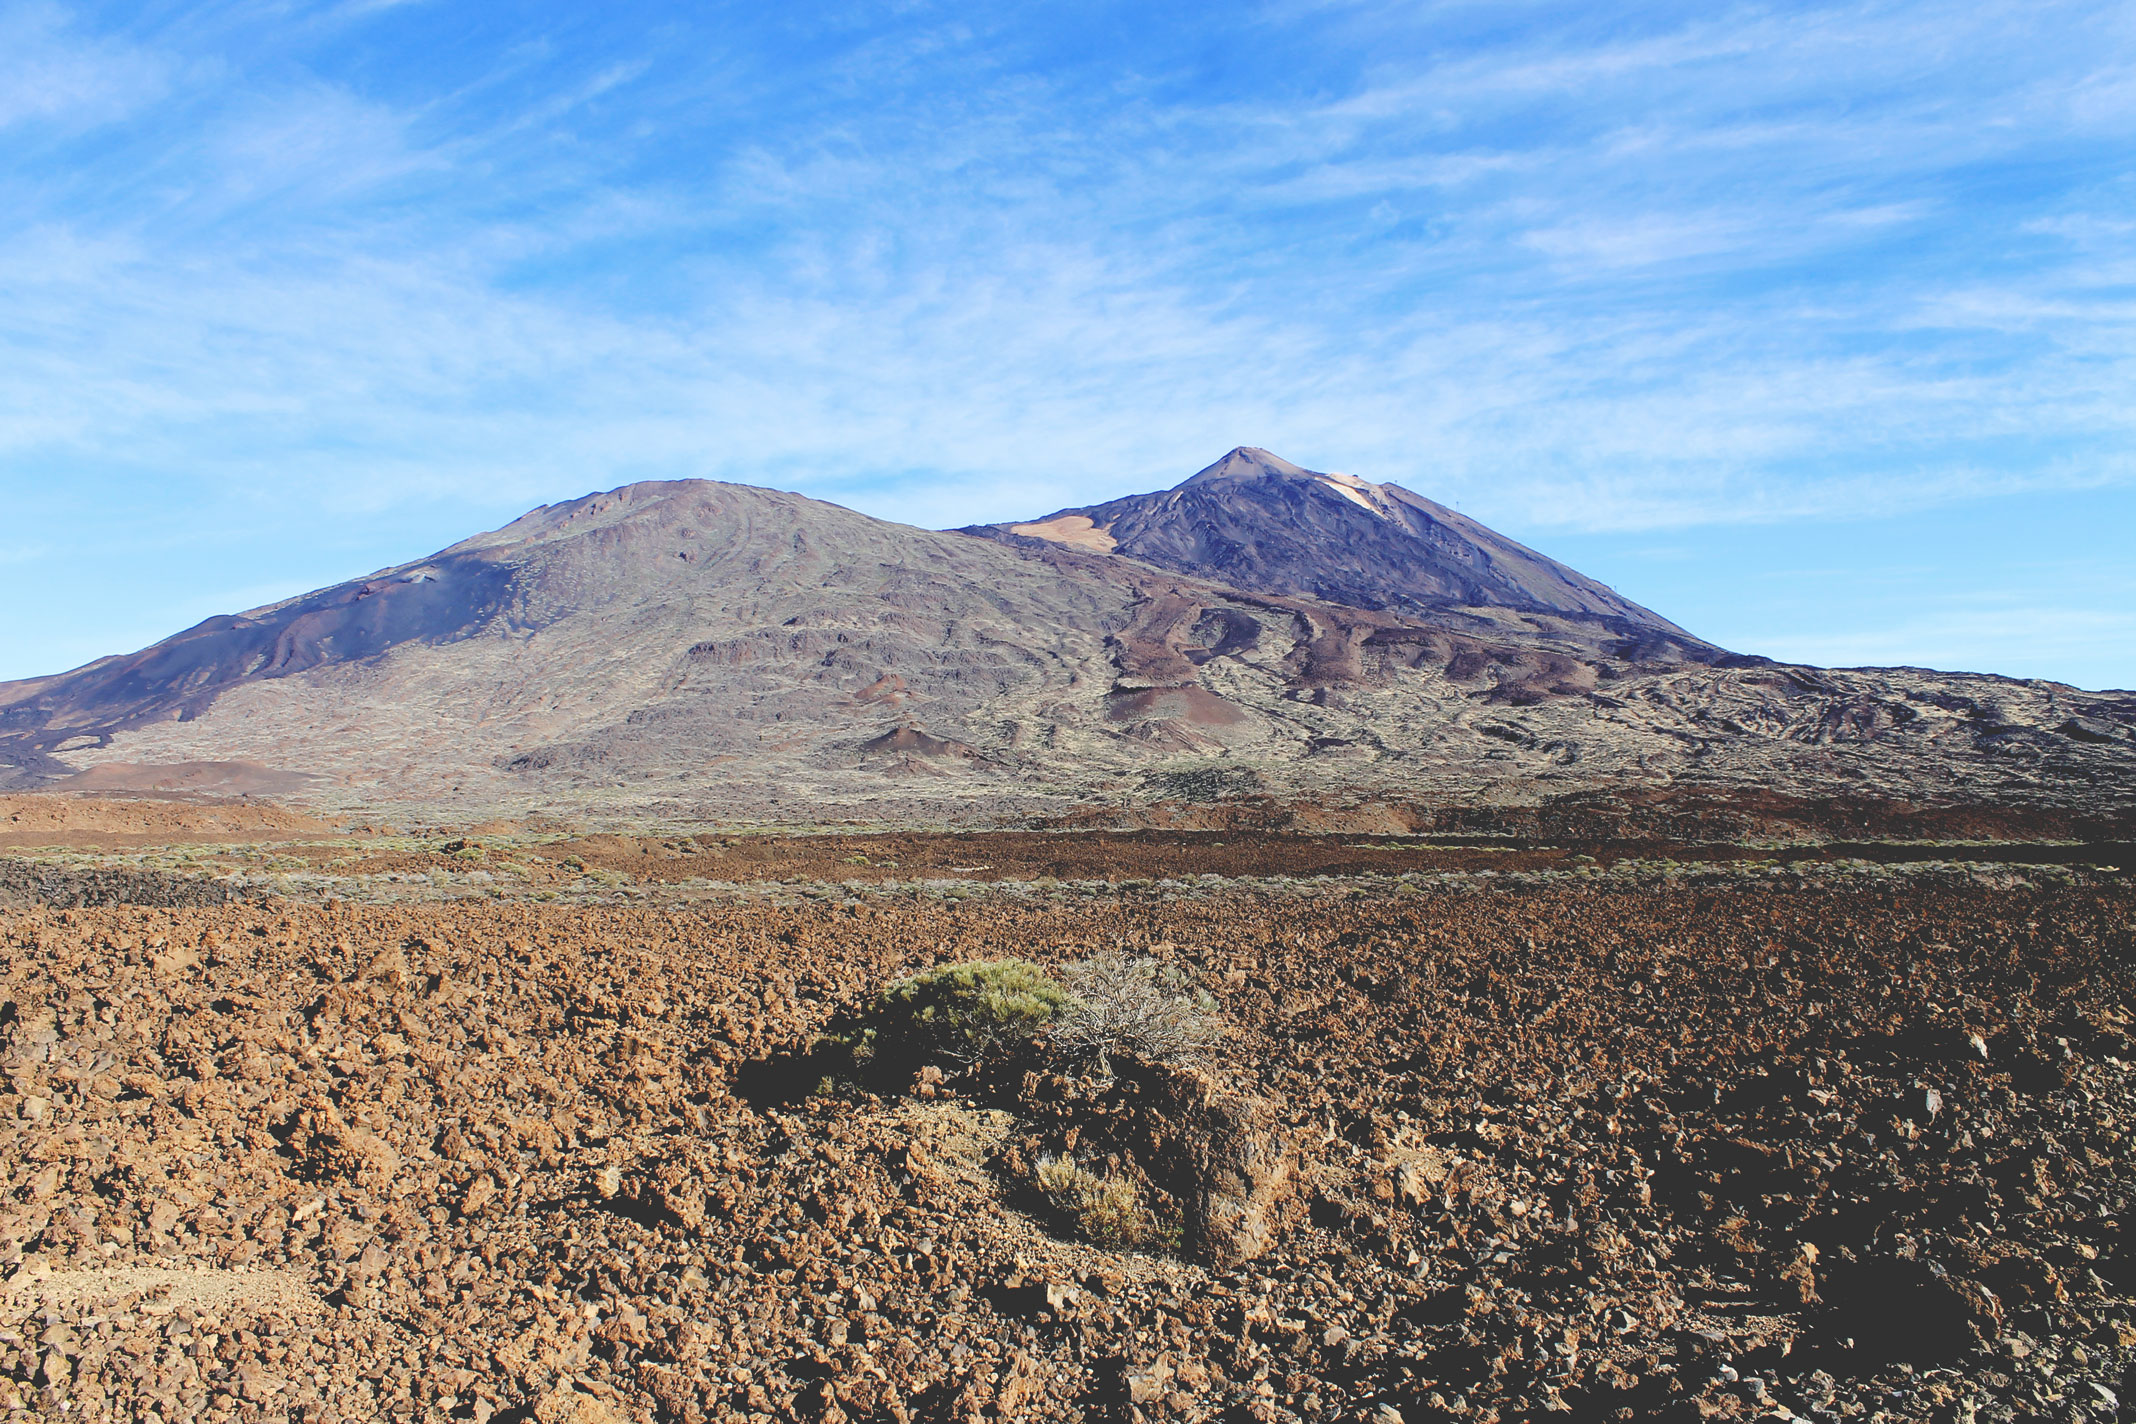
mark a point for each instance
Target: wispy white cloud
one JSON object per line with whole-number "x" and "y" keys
{"x": 1574, "y": 269}
{"x": 52, "y": 73}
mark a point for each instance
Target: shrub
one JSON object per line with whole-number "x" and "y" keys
{"x": 1105, "y": 1211}
{"x": 1134, "y": 1006}
{"x": 961, "y": 1012}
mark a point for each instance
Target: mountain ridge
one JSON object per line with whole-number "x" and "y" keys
{"x": 698, "y": 648}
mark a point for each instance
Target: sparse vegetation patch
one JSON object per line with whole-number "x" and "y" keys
{"x": 1105, "y": 1211}
{"x": 1119, "y": 1004}
{"x": 957, "y": 1013}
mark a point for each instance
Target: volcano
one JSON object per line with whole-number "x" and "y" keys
{"x": 699, "y": 649}
{"x": 1254, "y": 520}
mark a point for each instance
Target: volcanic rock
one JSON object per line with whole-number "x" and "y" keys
{"x": 1237, "y": 1159}
{"x": 1638, "y": 1103}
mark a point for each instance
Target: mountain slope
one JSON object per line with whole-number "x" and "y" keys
{"x": 1256, "y": 521}
{"x": 691, "y": 606}
{"x": 703, "y": 649}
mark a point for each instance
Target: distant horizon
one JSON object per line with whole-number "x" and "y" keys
{"x": 418, "y": 558}
{"x": 1809, "y": 326}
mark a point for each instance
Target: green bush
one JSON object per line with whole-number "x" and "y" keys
{"x": 960, "y": 1012}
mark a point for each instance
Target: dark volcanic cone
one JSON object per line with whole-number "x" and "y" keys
{"x": 1256, "y": 521}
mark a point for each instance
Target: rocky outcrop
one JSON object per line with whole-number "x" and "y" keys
{"x": 1233, "y": 1157}
{"x": 28, "y": 882}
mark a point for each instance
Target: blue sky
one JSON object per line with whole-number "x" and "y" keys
{"x": 1812, "y": 326}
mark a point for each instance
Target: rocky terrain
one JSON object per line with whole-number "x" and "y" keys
{"x": 27, "y": 882}
{"x": 1829, "y": 1140}
{"x": 683, "y": 650}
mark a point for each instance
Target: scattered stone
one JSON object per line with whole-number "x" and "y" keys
{"x": 568, "y": 1403}
{"x": 523, "y": 1170}
{"x": 479, "y": 1194}
{"x": 327, "y": 1147}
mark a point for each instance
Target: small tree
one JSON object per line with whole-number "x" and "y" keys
{"x": 1117, "y": 1004}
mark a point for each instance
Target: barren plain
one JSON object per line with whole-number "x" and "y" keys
{"x": 526, "y": 1123}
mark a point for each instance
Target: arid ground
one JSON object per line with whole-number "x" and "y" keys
{"x": 1492, "y": 1132}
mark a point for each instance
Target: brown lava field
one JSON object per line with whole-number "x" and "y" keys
{"x": 884, "y": 858}
{"x": 1853, "y": 1147}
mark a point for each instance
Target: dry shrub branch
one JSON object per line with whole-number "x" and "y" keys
{"x": 1121, "y": 1005}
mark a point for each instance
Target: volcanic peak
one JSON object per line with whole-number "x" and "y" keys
{"x": 1259, "y": 522}
{"x": 701, "y": 644}
{"x": 1247, "y": 462}
{"x": 1250, "y": 462}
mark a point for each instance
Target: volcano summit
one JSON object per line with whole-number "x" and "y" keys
{"x": 1254, "y": 520}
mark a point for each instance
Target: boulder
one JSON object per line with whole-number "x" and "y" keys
{"x": 1225, "y": 1154}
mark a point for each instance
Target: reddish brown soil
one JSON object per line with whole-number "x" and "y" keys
{"x": 95, "y": 822}
{"x": 1686, "y": 815}
{"x": 229, "y": 779}
{"x": 1574, "y": 1149}
{"x": 1112, "y": 855}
